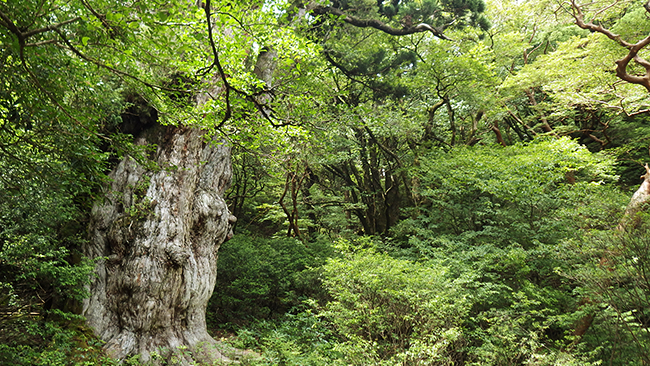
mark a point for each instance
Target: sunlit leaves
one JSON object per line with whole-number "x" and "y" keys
{"x": 483, "y": 194}
{"x": 581, "y": 71}
{"x": 391, "y": 310}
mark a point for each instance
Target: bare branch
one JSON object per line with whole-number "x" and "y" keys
{"x": 600, "y": 11}
{"x": 100, "y": 17}
{"x": 9, "y": 24}
{"x": 224, "y": 77}
{"x": 637, "y": 113}
{"x": 42, "y": 43}
{"x": 579, "y": 17}
{"x": 222, "y": 73}
{"x": 22, "y": 36}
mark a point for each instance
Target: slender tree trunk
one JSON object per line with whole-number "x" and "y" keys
{"x": 545, "y": 125}
{"x": 156, "y": 238}
{"x": 392, "y": 200}
{"x": 452, "y": 122}
{"x": 309, "y": 180}
{"x": 497, "y": 132}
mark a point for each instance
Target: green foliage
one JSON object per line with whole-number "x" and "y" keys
{"x": 393, "y": 311}
{"x": 477, "y": 264}
{"x": 303, "y": 338}
{"x": 518, "y": 194}
{"x": 495, "y": 216}
{"x": 632, "y": 25}
{"x": 48, "y": 181}
{"x": 438, "y": 13}
{"x": 263, "y": 278}
{"x": 382, "y": 311}
{"x": 615, "y": 290}
{"x": 589, "y": 63}
{"x": 578, "y": 69}
{"x": 63, "y": 341}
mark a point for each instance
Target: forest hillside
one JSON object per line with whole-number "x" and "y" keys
{"x": 331, "y": 182}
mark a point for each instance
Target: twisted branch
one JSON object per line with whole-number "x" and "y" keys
{"x": 633, "y": 48}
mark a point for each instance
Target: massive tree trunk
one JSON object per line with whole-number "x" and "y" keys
{"x": 156, "y": 236}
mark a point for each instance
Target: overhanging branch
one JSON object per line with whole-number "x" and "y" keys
{"x": 374, "y": 23}
{"x": 633, "y": 48}
{"x": 224, "y": 77}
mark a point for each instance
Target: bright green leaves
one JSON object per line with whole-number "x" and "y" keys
{"x": 578, "y": 68}
{"x": 488, "y": 195}
{"x": 633, "y": 26}
{"x": 579, "y": 72}
{"x": 391, "y": 311}
{"x": 497, "y": 215}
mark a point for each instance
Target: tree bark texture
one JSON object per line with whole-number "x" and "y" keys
{"x": 156, "y": 237}
{"x": 638, "y": 203}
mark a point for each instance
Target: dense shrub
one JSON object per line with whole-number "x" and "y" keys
{"x": 42, "y": 276}
{"x": 261, "y": 278}
{"x": 523, "y": 194}
{"x": 500, "y": 215}
{"x": 614, "y": 278}
{"x": 394, "y": 311}
{"x": 477, "y": 273}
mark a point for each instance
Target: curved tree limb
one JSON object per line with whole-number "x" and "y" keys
{"x": 262, "y": 108}
{"x": 633, "y": 48}
{"x": 22, "y": 36}
{"x": 102, "y": 18}
{"x": 374, "y": 23}
{"x": 115, "y": 71}
{"x": 217, "y": 63}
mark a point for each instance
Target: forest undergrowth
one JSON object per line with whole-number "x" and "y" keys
{"x": 505, "y": 262}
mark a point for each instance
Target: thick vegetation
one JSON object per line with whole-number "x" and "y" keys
{"x": 416, "y": 182}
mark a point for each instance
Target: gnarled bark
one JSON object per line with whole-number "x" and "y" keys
{"x": 156, "y": 236}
